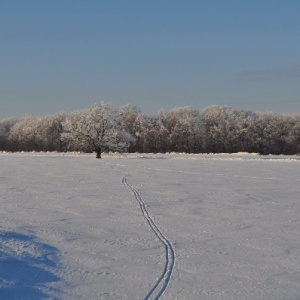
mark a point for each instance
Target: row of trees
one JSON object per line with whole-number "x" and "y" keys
{"x": 99, "y": 128}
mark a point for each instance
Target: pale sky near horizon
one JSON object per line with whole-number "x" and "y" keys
{"x": 63, "y": 55}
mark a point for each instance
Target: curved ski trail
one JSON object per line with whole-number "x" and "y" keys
{"x": 163, "y": 281}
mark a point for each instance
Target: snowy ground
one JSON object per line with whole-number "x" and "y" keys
{"x": 149, "y": 226}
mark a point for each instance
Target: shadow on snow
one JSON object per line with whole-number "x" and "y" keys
{"x": 26, "y": 267}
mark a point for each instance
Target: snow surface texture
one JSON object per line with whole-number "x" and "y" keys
{"x": 161, "y": 226}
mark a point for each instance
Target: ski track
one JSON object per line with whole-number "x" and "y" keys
{"x": 163, "y": 281}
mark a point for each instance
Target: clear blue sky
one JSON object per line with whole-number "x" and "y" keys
{"x": 63, "y": 55}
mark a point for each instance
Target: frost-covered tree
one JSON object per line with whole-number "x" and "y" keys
{"x": 24, "y": 134}
{"x": 235, "y": 124}
{"x": 37, "y": 133}
{"x": 238, "y": 138}
{"x": 277, "y": 134}
{"x": 162, "y": 132}
{"x": 214, "y": 124}
{"x": 228, "y": 130}
{"x": 185, "y": 130}
{"x": 95, "y": 129}
{"x": 5, "y": 127}
{"x": 292, "y": 139}
{"x": 147, "y": 134}
{"x": 131, "y": 123}
{"x": 50, "y": 129}
{"x": 182, "y": 129}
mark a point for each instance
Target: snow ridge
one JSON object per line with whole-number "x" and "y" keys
{"x": 163, "y": 281}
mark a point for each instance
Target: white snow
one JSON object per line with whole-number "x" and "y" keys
{"x": 149, "y": 226}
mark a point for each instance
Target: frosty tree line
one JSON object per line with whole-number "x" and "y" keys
{"x": 215, "y": 129}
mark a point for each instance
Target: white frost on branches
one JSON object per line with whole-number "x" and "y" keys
{"x": 96, "y": 128}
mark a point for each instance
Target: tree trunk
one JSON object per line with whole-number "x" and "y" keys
{"x": 98, "y": 153}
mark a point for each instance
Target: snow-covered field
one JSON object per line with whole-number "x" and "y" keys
{"x": 149, "y": 226}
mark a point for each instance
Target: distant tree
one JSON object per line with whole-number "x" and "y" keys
{"x": 235, "y": 124}
{"x": 95, "y": 129}
{"x": 5, "y": 127}
{"x": 278, "y": 134}
{"x": 292, "y": 138}
{"x": 185, "y": 130}
{"x": 162, "y": 133}
{"x": 238, "y": 138}
{"x": 49, "y": 132}
{"x": 130, "y": 121}
{"x": 214, "y": 126}
{"x": 37, "y": 133}
{"x": 23, "y": 136}
{"x": 228, "y": 130}
{"x": 147, "y": 134}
